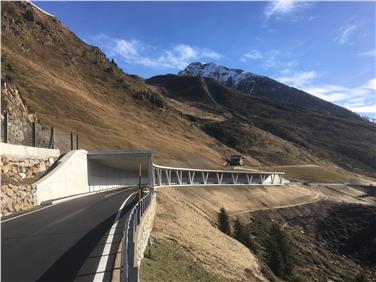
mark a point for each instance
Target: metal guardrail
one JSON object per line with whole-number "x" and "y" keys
{"x": 129, "y": 268}
{"x": 172, "y": 176}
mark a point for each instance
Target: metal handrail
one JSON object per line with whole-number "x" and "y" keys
{"x": 217, "y": 170}
{"x": 128, "y": 271}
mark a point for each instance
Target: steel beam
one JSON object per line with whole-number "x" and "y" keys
{"x": 234, "y": 178}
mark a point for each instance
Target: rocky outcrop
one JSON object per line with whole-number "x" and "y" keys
{"x": 19, "y": 118}
{"x": 17, "y": 193}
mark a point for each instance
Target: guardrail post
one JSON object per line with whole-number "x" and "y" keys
{"x": 34, "y": 134}
{"x": 51, "y": 144}
{"x": 133, "y": 269}
{"x": 77, "y": 142}
{"x": 131, "y": 235}
{"x": 71, "y": 141}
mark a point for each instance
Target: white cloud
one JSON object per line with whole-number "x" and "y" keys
{"x": 371, "y": 109}
{"x": 127, "y": 49}
{"x": 345, "y": 33}
{"x": 251, "y": 55}
{"x": 276, "y": 59}
{"x": 210, "y": 54}
{"x": 361, "y": 99}
{"x": 371, "y": 84}
{"x": 136, "y": 52}
{"x": 283, "y": 7}
{"x": 297, "y": 79}
{"x": 370, "y": 53}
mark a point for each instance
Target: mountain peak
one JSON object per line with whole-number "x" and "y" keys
{"x": 261, "y": 86}
{"x": 225, "y": 75}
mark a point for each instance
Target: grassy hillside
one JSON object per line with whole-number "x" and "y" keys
{"x": 74, "y": 87}
{"x": 186, "y": 227}
{"x": 293, "y": 132}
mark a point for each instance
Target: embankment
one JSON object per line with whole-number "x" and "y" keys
{"x": 187, "y": 240}
{"x": 186, "y": 217}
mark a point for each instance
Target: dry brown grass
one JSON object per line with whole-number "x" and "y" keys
{"x": 65, "y": 82}
{"x": 188, "y": 215}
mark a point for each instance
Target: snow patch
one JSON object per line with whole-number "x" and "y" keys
{"x": 217, "y": 72}
{"x": 43, "y": 11}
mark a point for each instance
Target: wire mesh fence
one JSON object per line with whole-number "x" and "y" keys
{"x": 21, "y": 132}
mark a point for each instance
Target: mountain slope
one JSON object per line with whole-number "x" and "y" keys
{"x": 347, "y": 142}
{"x": 188, "y": 121}
{"x": 262, "y": 86}
{"x": 74, "y": 87}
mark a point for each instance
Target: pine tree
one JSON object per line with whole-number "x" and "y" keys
{"x": 241, "y": 234}
{"x": 279, "y": 253}
{"x": 224, "y": 222}
{"x": 360, "y": 278}
{"x": 239, "y": 231}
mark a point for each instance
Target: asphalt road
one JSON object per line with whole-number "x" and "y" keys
{"x": 66, "y": 241}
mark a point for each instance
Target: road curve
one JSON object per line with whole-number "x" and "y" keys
{"x": 66, "y": 241}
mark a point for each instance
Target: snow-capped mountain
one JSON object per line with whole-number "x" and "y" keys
{"x": 227, "y": 76}
{"x": 261, "y": 86}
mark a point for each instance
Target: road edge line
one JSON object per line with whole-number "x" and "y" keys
{"x": 99, "y": 274}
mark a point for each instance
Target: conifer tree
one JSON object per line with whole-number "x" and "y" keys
{"x": 224, "y": 222}
{"x": 242, "y": 235}
{"x": 279, "y": 253}
{"x": 360, "y": 277}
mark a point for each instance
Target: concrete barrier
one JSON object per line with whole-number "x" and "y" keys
{"x": 68, "y": 178}
{"x": 13, "y": 152}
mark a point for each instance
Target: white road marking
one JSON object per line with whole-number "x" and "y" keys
{"x": 54, "y": 203}
{"x": 9, "y": 219}
{"x": 108, "y": 195}
{"x": 104, "y": 258}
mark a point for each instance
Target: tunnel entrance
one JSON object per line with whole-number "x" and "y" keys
{"x": 118, "y": 168}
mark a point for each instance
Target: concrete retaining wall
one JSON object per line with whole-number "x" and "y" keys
{"x": 13, "y": 152}
{"x": 81, "y": 171}
{"x": 21, "y": 166}
{"x": 68, "y": 178}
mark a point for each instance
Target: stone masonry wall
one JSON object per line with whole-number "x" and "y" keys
{"x": 144, "y": 230}
{"x": 17, "y": 175}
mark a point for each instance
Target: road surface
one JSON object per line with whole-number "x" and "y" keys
{"x": 66, "y": 241}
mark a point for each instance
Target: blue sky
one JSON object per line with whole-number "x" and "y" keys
{"x": 325, "y": 48}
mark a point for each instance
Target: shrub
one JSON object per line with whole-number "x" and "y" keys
{"x": 224, "y": 222}
{"x": 28, "y": 15}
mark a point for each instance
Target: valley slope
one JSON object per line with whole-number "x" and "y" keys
{"x": 274, "y": 131}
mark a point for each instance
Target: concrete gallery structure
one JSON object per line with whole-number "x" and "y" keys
{"x": 81, "y": 171}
